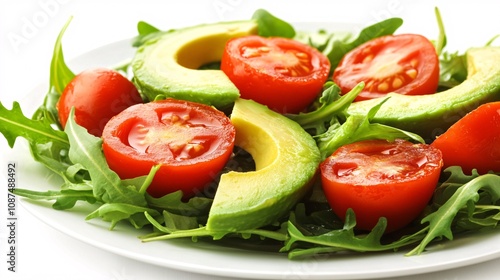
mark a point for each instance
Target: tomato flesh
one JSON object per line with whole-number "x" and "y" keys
{"x": 281, "y": 73}
{"x": 406, "y": 64}
{"x": 97, "y": 95}
{"x": 473, "y": 142}
{"x": 378, "y": 179}
{"x": 192, "y": 142}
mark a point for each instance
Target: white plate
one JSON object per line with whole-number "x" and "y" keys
{"x": 215, "y": 260}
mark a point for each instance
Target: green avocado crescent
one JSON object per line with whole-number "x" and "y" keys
{"x": 286, "y": 160}
{"x": 168, "y": 65}
{"x": 431, "y": 115}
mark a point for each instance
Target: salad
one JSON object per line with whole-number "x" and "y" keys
{"x": 464, "y": 198}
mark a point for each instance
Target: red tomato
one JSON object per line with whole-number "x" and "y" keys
{"x": 406, "y": 64}
{"x": 474, "y": 141}
{"x": 97, "y": 95}
{"x": 283, "y": 74}
{"x": 191, "y": 141}
{"x": 378, "y": 179}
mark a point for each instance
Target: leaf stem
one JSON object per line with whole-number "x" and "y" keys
{"x": 149, "y": 178}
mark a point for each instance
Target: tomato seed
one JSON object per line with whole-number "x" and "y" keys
{"x": 383, "y": 87}
{"x": 368, "y": 58}
{"x": 412, "y": 73}
{"x": 397, "y": 83}
{"x": 414, "y": 63}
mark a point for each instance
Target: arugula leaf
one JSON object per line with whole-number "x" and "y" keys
{"x": 482, "y": 216}
{"x": 47, "y": 143}
{"x": 89, "y": 180}
{"x": 453, "y": 69}
{"x": 86, "y": 149}
{"x": 122, "y": 199}
{"x": 146, "y": 32}
{"x": 455, "y": 179}
{"x": 440, "y": 43}
{"x": 15, "y": 124}
{"x": 355, "y": 128}
{"x": 142, "y": 183}
{"x": 196, "y": 206}
{"x": 330, "y": 108}
{"x": 452, "y": 66}
{"x": 145, "y": 28}
{"x": 175, "y": 226}
{"x": 336, "y": 49}
{"x": 116, "y": 212}
{"x": 172, "y": 223}
{"x": 358, "y": 128}
{"x": 440, "y": 221}
{"x": 269, "y": 25}
{"x": 336, "y": 240}
{"x": 188, "y": 233}
{"x": 53, "y": 155}
{"x": 492, "y": 40}
{"x": 60, "y": 74}
{"x": 64, "y": 199}
{"x": 176, "y": 222}
{"x": 47, "y": 112}
{"x": 179, "y": 226}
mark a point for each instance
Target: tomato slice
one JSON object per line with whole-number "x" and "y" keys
{"x": 281, "y": 73}
{"x": 406, "y": 64}
{"x": 191, "y": 141}
{"x": 378, "y": 179}
{"x": 97, "y": 95}
{"x": 473, "y": 142}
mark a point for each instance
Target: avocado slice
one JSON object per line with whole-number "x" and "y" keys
{"x": 169, "y": 64}
{"x": 286, "y": 160}
{"x": 431, "y": 115}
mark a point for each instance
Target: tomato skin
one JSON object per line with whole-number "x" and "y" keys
{"x": 281, "y": 73}
{"x": 191, "y": 141}
{"x": 377, "y": 179}
{"x": 97, "y": 95}
{"x": 406, "y": 64}
{"x": 473, "y": 142}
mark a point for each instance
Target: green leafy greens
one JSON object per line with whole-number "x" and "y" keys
{"x": 331, "y": 132}
{"x": 269, "y": 25}
{"x": 461, "y": 202}
{"x": 336, "y": 49}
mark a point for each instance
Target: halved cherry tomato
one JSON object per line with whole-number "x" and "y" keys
{"x": 377, "y": 178}
{"x": 97, "y": 95}
{"x": 406, "y": 64}
{"x": 191, "y": 141}
{"x": 281, "y": 73}
{"x": 473, "y": 142}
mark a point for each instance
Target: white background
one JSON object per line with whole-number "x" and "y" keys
{"x": 27, "y": 33}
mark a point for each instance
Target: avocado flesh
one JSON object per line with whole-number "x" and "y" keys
{"x": 286, "y": 159}
{"x": 168, "y": 64}
{"x": 431, "y": 115}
